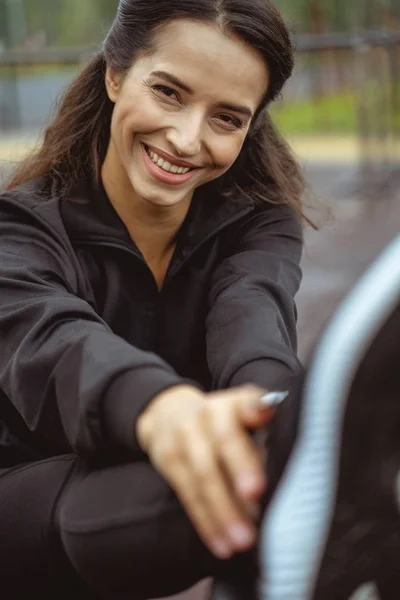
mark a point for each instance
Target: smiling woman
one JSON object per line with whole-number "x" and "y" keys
{"x": 216, "y": 82}
{"x": 149, "y": 259}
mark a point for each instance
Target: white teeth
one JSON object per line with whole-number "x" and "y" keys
{"x": 165, "y": 165}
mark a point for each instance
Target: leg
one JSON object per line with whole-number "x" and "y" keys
{"x": 126, "y": 534}
{"x": 67, "y": 531}
{"x": 32, "y": 561}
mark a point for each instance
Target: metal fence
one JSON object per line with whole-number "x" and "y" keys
{"x": 367, "y": 63}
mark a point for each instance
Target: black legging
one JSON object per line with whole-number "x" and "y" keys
{"x": 116, "y": 532}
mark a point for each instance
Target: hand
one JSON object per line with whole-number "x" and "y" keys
{"x": 201, "y": 445}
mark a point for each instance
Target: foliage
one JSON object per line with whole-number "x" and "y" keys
{"x": 318, "y": 16}
{"x": 62, "y": 23}
{"x": 85, "y": 22}
{"x": 332, "y": 114}
{"x": 337, "y": 113}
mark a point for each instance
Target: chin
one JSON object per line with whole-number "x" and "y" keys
{"x": 162, "y": 200}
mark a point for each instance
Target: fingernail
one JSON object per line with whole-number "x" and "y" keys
{"x": 241, "y": 535}
{"x": 272, "y": 399}
{"x": 221, "y": 548}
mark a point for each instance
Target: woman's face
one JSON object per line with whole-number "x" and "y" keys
{"x": 182, "y": 112}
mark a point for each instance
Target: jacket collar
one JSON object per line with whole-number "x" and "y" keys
{"x": 90, "y": 216}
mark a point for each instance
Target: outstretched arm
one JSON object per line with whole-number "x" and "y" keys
{"x": 251, "y": 325}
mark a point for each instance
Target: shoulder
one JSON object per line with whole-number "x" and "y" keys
{"x": 32, "y": 228}
{"x": 35, "y": 201}
{"x": 29, "y": 194}
{"x": 274, "y": 228}
{"x": 38, "y": 202}
{"x": 268, "y": 217}
{"x": 31, "y": 213}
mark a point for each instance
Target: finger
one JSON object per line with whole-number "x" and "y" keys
{"x": 184, "y": 483}
{"x": 222, "y": 506}
{"x": 253, "y": 510}
{"x": 255, "y": 410}
{"x": 252, "y": 412}
{"x": 239, "y": 455}
{"x": 170, "y": 461}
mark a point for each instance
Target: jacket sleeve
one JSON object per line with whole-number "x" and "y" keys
{"x": 73, "y": 381}
{"x": 251, "y": 324}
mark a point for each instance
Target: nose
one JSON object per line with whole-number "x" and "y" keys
{"x": 186, "y": 135}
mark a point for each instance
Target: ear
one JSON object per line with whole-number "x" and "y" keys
{"x": 113, "y": 84}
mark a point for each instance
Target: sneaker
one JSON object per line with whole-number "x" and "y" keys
{"x": 332, "y": 527}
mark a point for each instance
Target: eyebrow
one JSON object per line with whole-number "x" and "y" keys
{"x": 244, "y": 110}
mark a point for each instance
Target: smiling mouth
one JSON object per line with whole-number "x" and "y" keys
{"x": 165, "y": 165}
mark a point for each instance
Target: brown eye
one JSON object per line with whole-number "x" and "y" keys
{"x": 232, "y": 121}
{"x": 166, "y": 91}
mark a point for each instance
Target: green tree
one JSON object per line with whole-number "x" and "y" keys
{"x": 340, "y": 15}
{"x": 70, "y": 22}
{"x": 85, "y": 22}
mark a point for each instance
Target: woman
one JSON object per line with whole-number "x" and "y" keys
{"x": 149, "y": 256}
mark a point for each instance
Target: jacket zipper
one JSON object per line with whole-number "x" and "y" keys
{"x": 175, "y": 267}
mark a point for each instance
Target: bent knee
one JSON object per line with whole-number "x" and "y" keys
{"x": 122, "y": 529}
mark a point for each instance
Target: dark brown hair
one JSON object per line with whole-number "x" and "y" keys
{"x": 76, "y": 142}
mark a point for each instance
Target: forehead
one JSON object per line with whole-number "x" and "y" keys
{"x": 210, "y": 62}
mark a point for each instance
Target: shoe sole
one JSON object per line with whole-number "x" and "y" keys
{"x": 297, "y": 525}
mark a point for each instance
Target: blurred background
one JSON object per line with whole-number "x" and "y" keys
{"x": 344, "y": 95}
{"x": 340, "y": 112}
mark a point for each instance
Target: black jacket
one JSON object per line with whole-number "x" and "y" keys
{"x": 86, "y": 338}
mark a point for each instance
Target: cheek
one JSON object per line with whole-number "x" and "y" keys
{"x": 142, "y": 118}
{"x": 226, "y": 153}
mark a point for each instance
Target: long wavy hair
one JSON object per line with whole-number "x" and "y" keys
{"x": 76, "y": 141}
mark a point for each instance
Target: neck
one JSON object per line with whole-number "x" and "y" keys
{"x": 153, "y": 228}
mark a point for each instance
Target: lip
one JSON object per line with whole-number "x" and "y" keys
{"x": 172, "y": 159}
{"x": 164, "y": 176}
